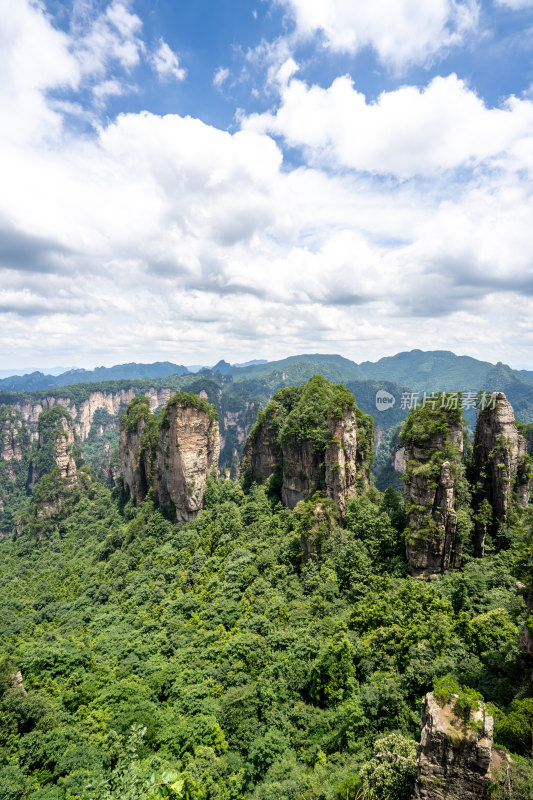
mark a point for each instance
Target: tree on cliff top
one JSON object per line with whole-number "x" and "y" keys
{"x": 302, "y": 413}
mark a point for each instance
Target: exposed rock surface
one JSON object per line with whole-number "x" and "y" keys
{"x": 335, "y": 471}
{"x": 235, "y": 425}
{"x": 64, "y": 457}
{"x": 135, "y": 459}
{"x": 284, "y": 444}
{"x": 17, "y": 682}
{"x": 501, "y": 466}
{"x": 14, "y": 442}
{"x": 433, "y": 446}
{"x": 399, "y": 460}
{"x": 456, "y": 760}
{"x": 82, "y": 412}
{"x": 55, "y": 447}
{"x": 263, "y": 453}
{"x": 173, "y": 453}
{"x": 13, "y": 436}
{"x": 189, "y": 447}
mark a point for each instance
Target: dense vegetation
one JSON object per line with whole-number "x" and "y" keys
{"x": 190, "y": 400}
{"x": 247, "y": 669}
{"x": 303, "y": 413}
{"x": 256, "y": 652}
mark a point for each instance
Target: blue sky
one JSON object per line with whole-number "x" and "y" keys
{"x": 189, "y": 181}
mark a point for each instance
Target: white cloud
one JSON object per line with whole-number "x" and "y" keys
{"x": 167, "y": 235}
{"x": 34, "y": 57}
{"x": 108, "y": 88}
{"x": 400, "y": 31}
{"x": 220, "y": 77}
{"x": 109, "y": 37}
{"x": 514, "y": 4}
{"x": 406, "y": 132}
{"x": 166, "y": 62}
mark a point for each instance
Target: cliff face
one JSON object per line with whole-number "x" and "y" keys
{"x": 433, "y": 446}
{"x": 83, "y": 411}
{"x": 135, "y": 453}
{"x": 456, "y": 760}
{"x": 55, "y": 447}
{"x": 173, "y": 453}
{"x": 14, "y": 441}
{"x": 189, "y": 448}
{"x": 64, "y": 457}
{"x": 311, "y": 438}
{"x": 235, "y": 425}
{"x": 262, "y": 453}
{"x": 501, "y": 466}
{"x": 335, "y": 471}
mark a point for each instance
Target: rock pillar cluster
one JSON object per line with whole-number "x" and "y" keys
{"x": 172, "y": 454}
{"x": 311, "y": 438}
{"x": 439, "y": 499}
{"x": 433, "y": 447}
{"x": 502, "y": 470}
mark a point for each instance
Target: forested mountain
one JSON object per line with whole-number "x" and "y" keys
{"x": 263, "y": 649}
{"x": 38, "y": 381}
{"x": 240, "y": 392}
{"x": 431, "y": 371}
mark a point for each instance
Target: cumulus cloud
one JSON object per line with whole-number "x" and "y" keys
{"x": 400, "y": 32}
{"x": 34, "y": 57}
{"x": 405, "y": 132}
{"x": 187, "y": 238}
{"x": 109, "y": 36}
{"x": 166, "y": 62}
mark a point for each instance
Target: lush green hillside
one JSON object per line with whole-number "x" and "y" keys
{"x": 432, "y": 371}
{"x": 302, "y": 367}
{"x": 251, "y": 672}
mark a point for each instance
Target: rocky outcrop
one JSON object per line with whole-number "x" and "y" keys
{"x": 311, "y": 438}
{"x": 136, "y": 452}
{"x": 189, "y": 448}
{"x": 14, "y": 439}
{"x": 456, "y": 759}
{"x": 263, "y": 454}
{"x": 55, "y": 449}
{"x": 64, "y": 457}
{"x": 433, "y": 446}
{"x": 235, "y": 425}
{"x": 173, "y": 453}
{"x": 17, "y": 682}
{"x": 335, "y": 471}
{"x": 502, "y": 467}
{"x": 15, "y": 443}
{"x": 82, "y": 411}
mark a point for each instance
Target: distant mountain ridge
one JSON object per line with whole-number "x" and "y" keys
{"x": 417, "y": 370}
{"x": 38, "y": 381}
